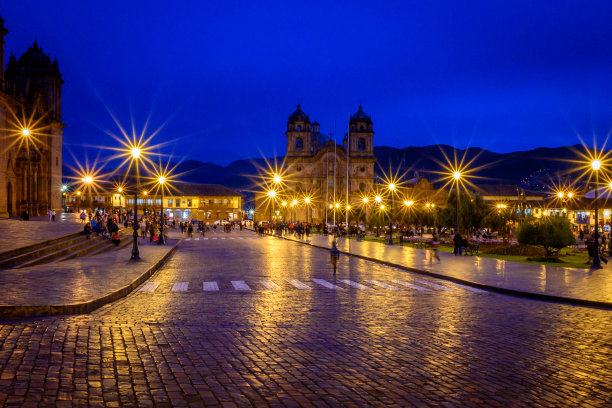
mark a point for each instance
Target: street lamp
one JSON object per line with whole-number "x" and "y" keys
{"x": 457, "y": 178}
{"x": 596, "y": 165}
{"x": 307, "y": 201}
{"x": 88, "y": 180}
{"x": 135, "y": 153}
{"x": 26, "y": 133}
{"x": 161, "y": 180}
{"x": 392, "y": 190}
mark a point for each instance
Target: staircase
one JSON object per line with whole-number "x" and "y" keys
{"x": 60, "y": 249}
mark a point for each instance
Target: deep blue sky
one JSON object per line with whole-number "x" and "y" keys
{"x": 225, "y": 75}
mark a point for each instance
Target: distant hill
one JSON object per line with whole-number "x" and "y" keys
{"x": 507, "y": 168}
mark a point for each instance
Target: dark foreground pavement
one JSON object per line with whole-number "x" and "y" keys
{"x": 239, "y": 322}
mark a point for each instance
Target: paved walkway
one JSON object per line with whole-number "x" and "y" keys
{"x": 570, "y": 283}
{"x": 16, "y": 233}
{"x": 79, "y": 280}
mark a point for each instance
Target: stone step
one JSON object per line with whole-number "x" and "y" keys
{"x": 93, "y": 249}
{"x": 31, "y": 248}
{"x": 39, "y": 252}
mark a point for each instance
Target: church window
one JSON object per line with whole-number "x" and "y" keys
{"x": 330, "y": 181}
{"x": 362, "y": 169}
{"x": 299, "y": 143}
{"x": 360, "y": 127}
{"x": 361, "y": 144}
{"x": 298, "y": 168}
{"x": 362, "y": 187}
{"x": 299, "y": 128}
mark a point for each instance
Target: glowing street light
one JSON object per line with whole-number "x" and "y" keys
{"x": 570, "y": 194}
{"x": 120, "y": 189}
{"x": 271, "y": 193}
{"x": 378, "y": 199}
{"x": 560, "y": 194}
{"x": 135, "y": 152}
{"x": 596, "y": 165}
{"x": 365, "y": 199}
{"x": 277, "y": 179}
{"x": 457, "y": 175}
{"x": 26, "y": 133}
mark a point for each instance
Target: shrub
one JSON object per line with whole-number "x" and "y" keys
{"x": 550, "y": 233}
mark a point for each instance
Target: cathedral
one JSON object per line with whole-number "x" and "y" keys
{"x": 316, "y": 167}
{"x": 30, "y": 132}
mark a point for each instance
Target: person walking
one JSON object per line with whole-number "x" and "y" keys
{"x": 334, "y": 255}
{"x": 435, "y": 243}
{"x": 457, "y": 241}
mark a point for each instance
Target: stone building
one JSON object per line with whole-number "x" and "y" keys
{"x": 30, "y": 161}
{"x": 185, "y": 202}
{"x": 316, "y": 167}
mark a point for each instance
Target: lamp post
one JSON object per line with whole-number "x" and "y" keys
{"x": 135, "y": 152}
{"x": 391, "y": 187}
{"x": 294, "y": 204}
{"x": 120, "y": 191}
{"x": 272, "y": 195}
{"x": 596, "y": 165}
{"x": 284, "y": 204}
{"x": 88, "y": 180}
{"x": 307, "y": 201}
{"x": 161, "y": 180}
{"x": 378, "y": 200}
{"x": 457, "y": 177}
{"x": 26, "y": 133}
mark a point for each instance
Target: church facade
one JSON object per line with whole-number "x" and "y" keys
{"x": 30, "y": 132}
{"x": 315, "y": 167}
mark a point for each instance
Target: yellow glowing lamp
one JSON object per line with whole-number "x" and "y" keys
{"x": 365, "y": 199}
{"x": 457, "y": 175}
{"x": 382, "y": 207}
{"x": 596, "y": 164}
{"x": 88, "y": 179}
{"x": 331, "y": 206}
{"x": 570, "y": 194}
{"x": 307, "y": 200}
{"x": 78, "y": 193}
{"x": 348, "y": 207}
{"x": 26, "y": 132}
{"x": 295, "y": 202}
{"x": 161, "y": 179}
{"x": 378, "y": 199}
{"x": 284, "y": 203}
{"x": 120, "y": 189}
{"x": 146, "y": 192}
{"x": 337, "y": 205}
{"x": 560, "y": 194}
{"x": 392, "y": 186}
{"x": 277, "y": 179}
{"x": 135, "y": 151}
{"x": 271, "y": 193}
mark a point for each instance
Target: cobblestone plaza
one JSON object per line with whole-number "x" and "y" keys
{"x": 242, "y": 320}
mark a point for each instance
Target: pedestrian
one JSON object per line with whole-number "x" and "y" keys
{"x": 435, "y": 243}
{"x": 53, "y": 215}
{"x": 334, "y": 255}
{"x": 457, "y": 241}
{"x": 190, "y": 230}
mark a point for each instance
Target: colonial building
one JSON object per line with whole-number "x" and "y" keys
{"x": 202, "y": 202}
{"x": 30, "y": 132}
{"x": 316, "y": 168}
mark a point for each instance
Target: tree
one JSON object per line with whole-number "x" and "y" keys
{"x": 472, "y": 210}
{"x": 551, "y": 233}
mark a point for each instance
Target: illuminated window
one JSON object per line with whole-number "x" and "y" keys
{"x": 189, "y": 202}
{"x": 169, "y": 202}
{"x": 299, "y": 143}
{"x": 178, "y": 202}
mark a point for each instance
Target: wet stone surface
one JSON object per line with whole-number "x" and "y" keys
{"x": 172, "y": 343}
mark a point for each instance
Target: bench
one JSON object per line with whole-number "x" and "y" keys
{"x": 472, "y": 249}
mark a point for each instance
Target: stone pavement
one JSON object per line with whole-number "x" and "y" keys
{"x": 76, "y": 281}
{"x": 572, "y": 283}
{"x": 180, "y": 345}
{"x": 15, "y": 233}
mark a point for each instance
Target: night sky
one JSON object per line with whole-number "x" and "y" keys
{"x": 224, "y": 76}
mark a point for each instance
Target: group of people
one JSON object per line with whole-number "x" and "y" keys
{"x": 202, "y": 228}
{"x": 103, "y": 224}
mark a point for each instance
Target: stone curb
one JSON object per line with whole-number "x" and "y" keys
{"x": 505, "y": 291}
{"x": 12, "y": 312}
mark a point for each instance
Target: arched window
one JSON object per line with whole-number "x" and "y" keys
{"x": 299, "y": 143}
{"x": 360, "y": 127}
{"x": 362, "y": 187}
{"x": 299, "y": 128}
{"x": 361, "y": 144}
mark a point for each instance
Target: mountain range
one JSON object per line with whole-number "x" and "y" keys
{"x": 489, "y": 167}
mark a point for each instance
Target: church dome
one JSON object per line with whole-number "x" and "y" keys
{"x": 298, "y": 116}
{"x": 360, "y": 116}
